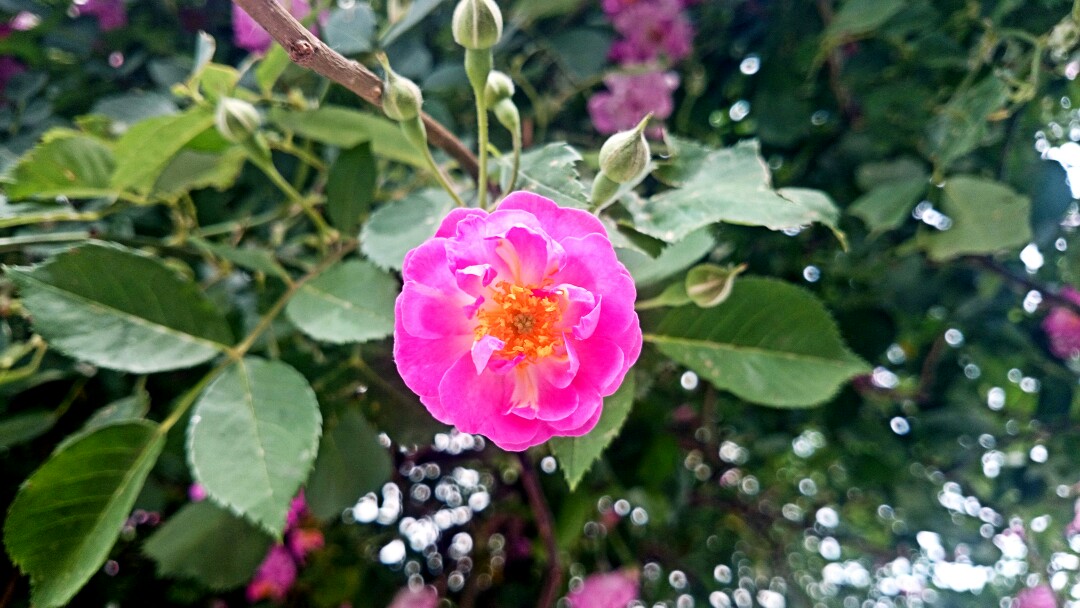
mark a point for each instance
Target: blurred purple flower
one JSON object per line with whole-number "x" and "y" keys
{"x": 1062, "y": 326}
{"x": 651, "y": 29}
{"x": 24, "y": 21}
{"x": 275, "y": 576}
{"x": 111, "y": 14}
{"x": 609, "y": 590}
{"x": 630, "y": 97}
{"x": 302, "y": 541}
{"x": 196, "y": 492}
{"x": 249, "y": 35}
{"x": 1036, "y": 597}
{"x": 9, "y": 67}
{"x": 425, "y": 597}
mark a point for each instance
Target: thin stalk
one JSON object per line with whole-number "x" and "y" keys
{"x": 482, "y": 151}
{"x": 416, "y": 133}
{"x": 237, "y": 352}
{"x": 266, "y": 165}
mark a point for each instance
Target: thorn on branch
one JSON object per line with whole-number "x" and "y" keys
{"x": 300, "y": 51}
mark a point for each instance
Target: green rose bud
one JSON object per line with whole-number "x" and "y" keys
{"x": 499, "y": 87}
{"x": 625, "y": 154}
{"x": 477, "y": 24}
{"x": 236, "y": 119}
{"x": 401, "y": 98}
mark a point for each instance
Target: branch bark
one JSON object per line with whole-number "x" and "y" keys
{"x": 306, "y": 50}
{"x": 530, "y": 481}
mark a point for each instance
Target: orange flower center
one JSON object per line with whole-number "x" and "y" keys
{"x": 526, "y": 321}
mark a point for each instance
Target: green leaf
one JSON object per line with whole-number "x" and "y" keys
{"x": 351, "y": 463}
{"x": 860, "y": 17}
{"x": 673, "y": 259}
{"x": 887, "y": 206}
{"x": 418, "y": 9}
{"x": 819, "y": 208}
{"x": 68, "y": 514}
{"x": 271, "y": 68}
{"x": 398, "y": 226}
{"x": 350, "y": 187}
{"x": 550, "y": 172}
{"x": 351, "y": 302}
{"x": 207, "y": 543}
{"x": 190, "y": 170}
{"x": 987, "y": 217}
{"x": 126, "y": 109}
{"x": 961, "y": 125}
{"x": 76, "y": 167}
{"x": 146, "y": 148}
{"x": 349, "y": 30}
{"x": 121, "y": 309}
{"x": 576, "y": 455}
{"x": 770, "y": 342}
{"x": 253, "y": 436}
{"x": 259, "y": 260}
{"x": 24, "y": 427}
{"x": 730, "y": 185}
{"x": 345, "y": 128}
{"x": 122, "y": 410}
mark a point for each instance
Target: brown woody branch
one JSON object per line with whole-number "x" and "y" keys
{"x": 544, "y": 524}
{"x": 306, "y": 50}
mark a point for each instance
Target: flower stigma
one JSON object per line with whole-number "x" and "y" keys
{"x": 525, "y": 318}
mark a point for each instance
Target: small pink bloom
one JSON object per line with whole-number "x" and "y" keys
{"x": 1062, "y": 326}
{"x": 111, "y": 14}
{"x": 609, "y": 590}
{"x": 516, "y": 324}
{"x": 24, "y": 21}
{"x": 650, "y": 30}
{"x": 297, "y": 510}
{"x": 425, "y": 597}
{"x": 250, "y": 36}
{"x": 302, "y": 541}
{"x": 196, "y": 492}
{"x": 1036, "y": 597}
{"x": 275, "y": 576}
{"x": 630, "y": 97}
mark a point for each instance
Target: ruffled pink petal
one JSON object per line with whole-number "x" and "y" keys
{"x": 448, "y": 227}
{"x": 529, "y": 255}
{"x": 558, "y": 222}
{"x": 581, "y": 312}
{"x": 584, "y": 418}
{"x": 422, "y": 362}
{"x": 603, "y": 364}
{"x": 429, "y": 265}
{"x": 559, "y": 370}
{"x": 473, "y": 279}
{"x": 481, "y": 402}
{"x": 483, "y": 349}
{"x": 591, "y": 264}
{"x": 426, "y": 313}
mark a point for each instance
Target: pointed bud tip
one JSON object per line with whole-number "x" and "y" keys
{"x": 401, "y": 98}
{"x": 626, "y": 154}
{"x": 477, "y": 24}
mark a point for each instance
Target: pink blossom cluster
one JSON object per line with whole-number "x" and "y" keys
{"x": 652, "y": 34}
{"x": 424, "y": 597}
{"x": 9, "y": 66}
{"x": 1062, "y": 327}
{"x": 1041, "y": 596}
{"x": 111, "y": 14}
{"x": 606, "y": 590}
{"x": 277, "y": 573}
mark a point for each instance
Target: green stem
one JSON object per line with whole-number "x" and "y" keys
{"x": 477, "y": 67}
{"x": 266, "y": 165}
{"x": 233, "y": 226}
{"x": 515, "y": 140}
{"x": 416, "y": 133}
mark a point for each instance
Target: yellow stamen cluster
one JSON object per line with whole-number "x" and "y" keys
{"x": 527, "y": 322}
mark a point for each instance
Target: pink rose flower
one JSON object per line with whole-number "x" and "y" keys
{"x": 111, "y": 14}
{"x": 275, "y": 576}
{"x": 608, "y": 590}
{"x": 630, "y": 97}
{"x": 1062, "y": 326}
{"x": 250, "y": 36}
{"x": 425, "y": 597}
{"x": 651, "y": 29}
{"x": 516, "y": 324}
{"x": 1036, "y": 597}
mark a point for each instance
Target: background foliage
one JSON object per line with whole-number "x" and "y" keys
{"x": 874, "y": 414}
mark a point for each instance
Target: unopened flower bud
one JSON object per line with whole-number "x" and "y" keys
{"x": 401, "y": 98}
{"x": 499, "y": 87}
{"x": 625, "y": 154}
{"x": 477, "y": 24}
{"x": 236, "y": 119}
